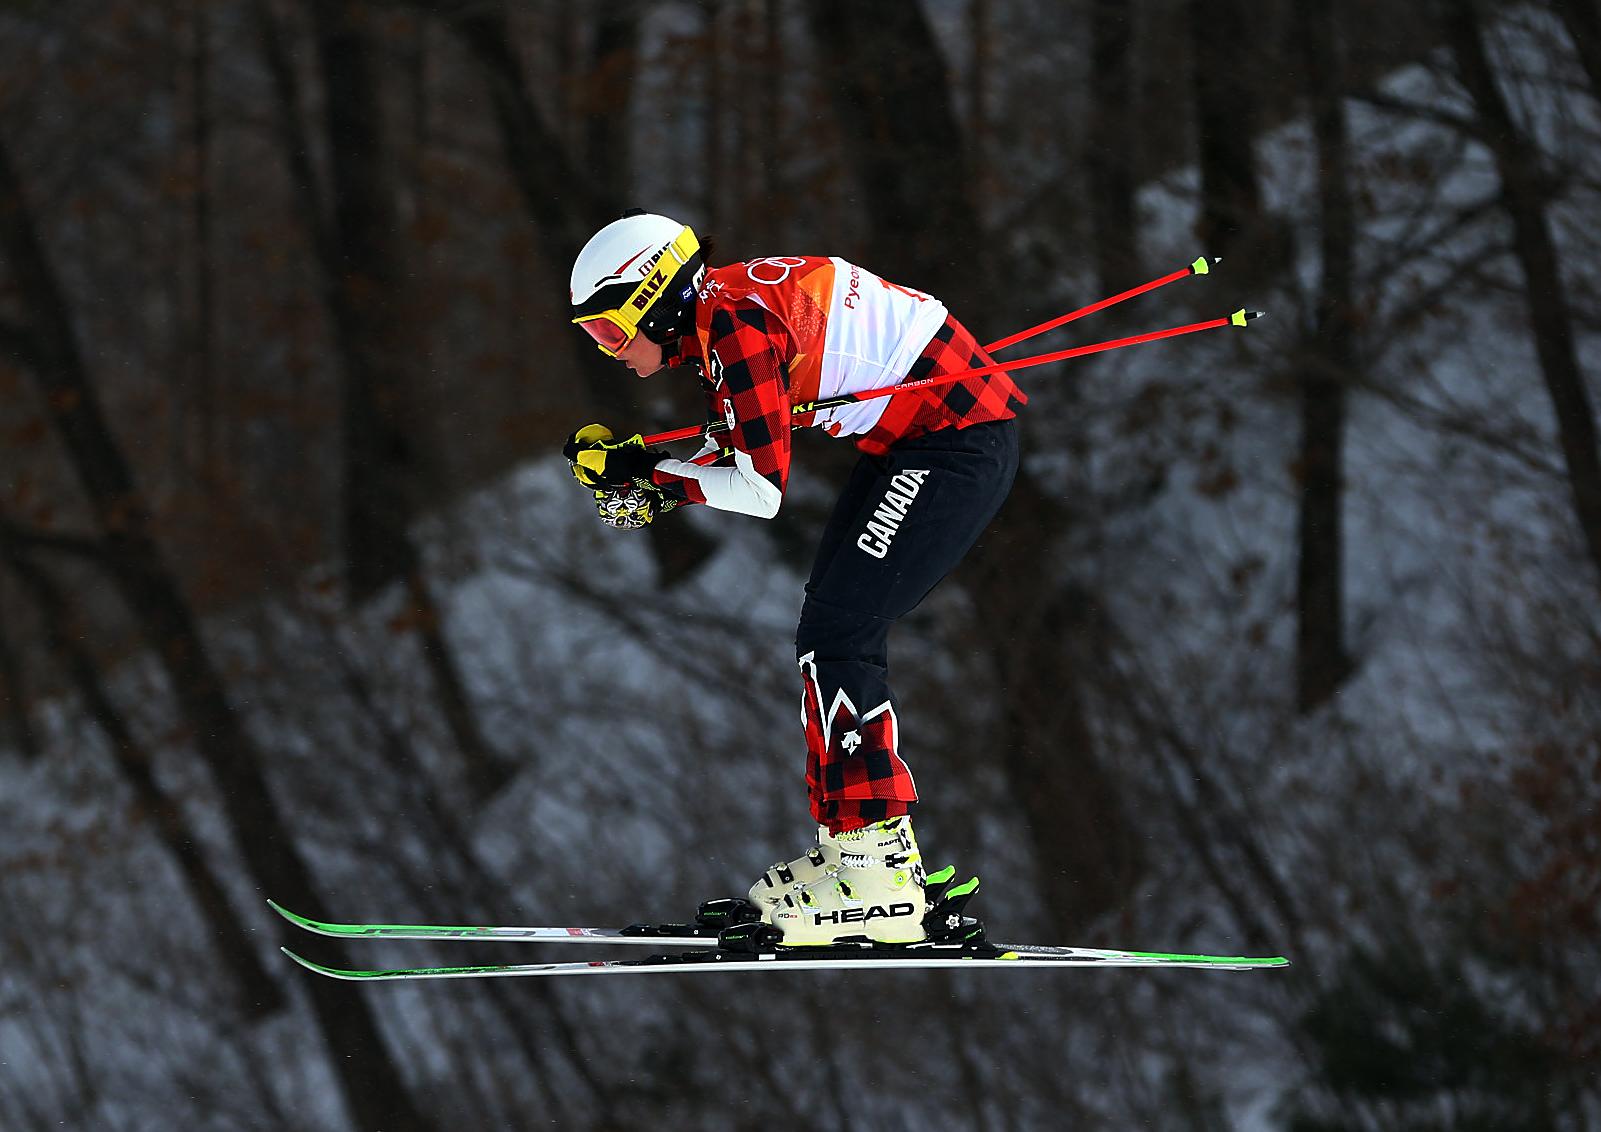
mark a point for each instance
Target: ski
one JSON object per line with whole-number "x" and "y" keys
{"x": 905, "y": 957}
{"x": 655, "y": 935}
{"x": 739, "y": 940}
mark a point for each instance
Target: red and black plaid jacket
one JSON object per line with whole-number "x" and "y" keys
{"x": 747, "y": 388}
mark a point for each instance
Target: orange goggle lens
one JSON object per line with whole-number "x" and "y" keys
{"x": 608, "y": 334}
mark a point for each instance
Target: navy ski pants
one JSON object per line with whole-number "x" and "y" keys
{"x": 904, "y": 520}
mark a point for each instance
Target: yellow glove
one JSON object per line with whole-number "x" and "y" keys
{"x": 600, "y": 462}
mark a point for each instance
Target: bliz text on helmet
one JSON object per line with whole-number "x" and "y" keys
{"x": 649, "y": 289}
{"x": 891, "y": 511}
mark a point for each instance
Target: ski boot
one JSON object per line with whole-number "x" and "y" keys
{"x": 769, "y": 892}
{"x": 874, "y": 891}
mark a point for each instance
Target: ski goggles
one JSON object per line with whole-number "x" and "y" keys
{"x": 609, "y": 331}
{"x": 613, "y": 330}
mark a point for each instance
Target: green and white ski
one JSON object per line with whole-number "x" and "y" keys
{"x": 654, "y": 935}
{"x": 741, "y": 943}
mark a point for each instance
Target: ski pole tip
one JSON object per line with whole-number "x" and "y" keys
{"x": 1202, "y": 265}
{"x": 1241, "y": 317}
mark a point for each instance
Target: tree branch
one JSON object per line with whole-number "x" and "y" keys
{"x": 14, "y": 535}
{"x": 1437, "y": 114}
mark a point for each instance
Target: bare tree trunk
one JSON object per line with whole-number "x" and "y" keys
{"x": 14, "y": 697}
{"x": 609, "y": 86}
{"x": 566, "y": 208}
{"x": 720, "y": 187}
{"x": 381, "y": 466}
{"x": 1582, "y": 18}
{"x": 1084, "y": 843}
{"x": 200, "y": 438}
{"x": 565, "y": 205}
{"x": 770, "y": 147}
{"x": 1327, "y": 371}
{"x": 356, "y": 280}
{"x": 1044, "y": 641}
{"x": 892, "y": 97}
{"x": 980, "y": 143}
{"x": 1221, "y": 44}
{"x": 358, "y": 265}
{"x": 1111, "y": 160}
{"x": 258, "y": 993}
{"x": 1525, "y": 197}
{"x": 487, "y": 771}
{"x": 46, "y": 345}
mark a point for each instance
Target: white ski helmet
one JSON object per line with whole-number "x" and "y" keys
{"x": 639, "y": 273}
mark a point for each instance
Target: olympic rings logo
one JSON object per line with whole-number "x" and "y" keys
{"x": 784, "y": 264}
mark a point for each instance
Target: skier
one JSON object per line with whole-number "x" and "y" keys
{"x": 765, "y": 336}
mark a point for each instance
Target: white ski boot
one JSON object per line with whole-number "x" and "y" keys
{"x": 769, "y": 892}
{"x": 875, "y": 889}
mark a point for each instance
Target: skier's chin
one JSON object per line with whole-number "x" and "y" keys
{"x": 642, "y": 356}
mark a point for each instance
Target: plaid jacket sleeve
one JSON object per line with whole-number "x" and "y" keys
{"x": 747, "y": 385}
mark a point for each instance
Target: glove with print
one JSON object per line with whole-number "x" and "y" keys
{"x": 632, "y": 507}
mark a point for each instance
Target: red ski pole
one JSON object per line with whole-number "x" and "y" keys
{"x": 1200, "y": 267}
{"x": 1238, "y": 318}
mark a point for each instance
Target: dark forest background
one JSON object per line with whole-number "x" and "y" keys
{"x": 1287, "y": 642}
